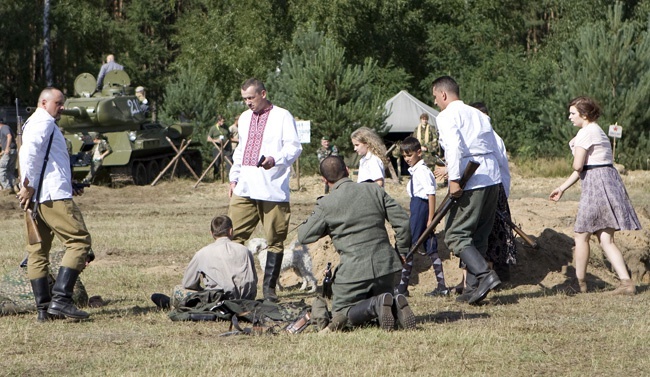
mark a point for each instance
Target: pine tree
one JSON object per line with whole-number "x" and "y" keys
{"x": 315, "y": 83}
{"x": 610, "y": 62}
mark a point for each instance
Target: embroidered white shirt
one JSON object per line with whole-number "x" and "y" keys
{"x": 281, "y": 142}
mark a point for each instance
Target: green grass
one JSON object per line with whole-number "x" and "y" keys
{"x": 542, "y": 167}
{"x": 145, "y": 236}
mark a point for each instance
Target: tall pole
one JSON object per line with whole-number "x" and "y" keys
{"x": 46, "y": 44}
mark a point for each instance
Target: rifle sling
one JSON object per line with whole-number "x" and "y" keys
{"x": 40, "y": 182}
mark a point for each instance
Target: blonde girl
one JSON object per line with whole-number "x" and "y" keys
{"x": 373, "y": 155}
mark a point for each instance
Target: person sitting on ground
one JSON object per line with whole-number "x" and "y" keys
{"x": 223, "y": 265}
{"x": 354, "y": 216}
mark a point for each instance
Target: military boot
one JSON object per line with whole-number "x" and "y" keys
{"x": 476, "y": 265}
{"x": 271, "y": 275}
{"x": 42, "y": 296}
{"x": 403, "y": 313}
{"x": 62, "y": 295}
{"x": 377, "y": 307}
{"x": 469, "y": 289}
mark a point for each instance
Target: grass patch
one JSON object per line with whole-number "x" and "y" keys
{"x": 542, "y": 167}
{"x": 144, "y": 237}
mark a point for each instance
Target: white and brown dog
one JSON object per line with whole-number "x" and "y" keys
{"x": 296, "y": 257}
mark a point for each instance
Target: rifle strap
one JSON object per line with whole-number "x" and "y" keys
{"x": 40, "y": 182}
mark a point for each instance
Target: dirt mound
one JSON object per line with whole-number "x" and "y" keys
{"x": 548, "y": 223}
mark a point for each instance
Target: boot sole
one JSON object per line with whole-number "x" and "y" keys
{"x": 386, "y": 319}
{"x": 57, "y": 312}
{"x": 405, "y": 315}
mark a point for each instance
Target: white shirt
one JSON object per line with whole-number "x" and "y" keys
{"x": 592, "y": 138}
{"x": 422, "y": 183}
{"x": 504, "y": 168}
{"x": 57, "y": 183}
{"x": 466, "y": 134}
{"x": 370, "y": 168}
{"x": 281, "y": 142}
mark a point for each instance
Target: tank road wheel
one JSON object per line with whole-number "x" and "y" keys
{"x": 152, "y": 170}
{"x": 140, "y": 174}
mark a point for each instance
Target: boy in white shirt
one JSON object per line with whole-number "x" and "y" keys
{"x": 422, "y": 191}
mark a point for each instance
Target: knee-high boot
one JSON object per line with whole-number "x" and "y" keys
{"x": 62, "y": 303}
{"x": 42, "y": 296}
{"x": 271, "y": 275}
{"x": 476, "y": 265}
{"x": 380, "y": 307}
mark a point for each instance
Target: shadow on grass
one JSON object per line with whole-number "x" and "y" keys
{"x": 449, "y": 316}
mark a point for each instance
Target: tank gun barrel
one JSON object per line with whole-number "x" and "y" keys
{"x": 77, "y": 112}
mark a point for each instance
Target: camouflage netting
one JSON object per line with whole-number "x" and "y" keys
{"x": 16, "y": 294}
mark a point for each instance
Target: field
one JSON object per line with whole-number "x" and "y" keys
{"x": 144, "y": 236}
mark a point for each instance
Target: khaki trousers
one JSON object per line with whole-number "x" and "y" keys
{"x": 63, "y": 219}
{"x": 246, "y": 213}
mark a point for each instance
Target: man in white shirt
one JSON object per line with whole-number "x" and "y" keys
{"x": 259, "y": 176}
{"x": 466, "y": 135}
{"x": 57, "y": 214}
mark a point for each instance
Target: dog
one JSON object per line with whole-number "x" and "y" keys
{"x": 296, "y": 256}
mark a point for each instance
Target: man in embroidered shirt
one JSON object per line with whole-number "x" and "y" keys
{"x": 466, "y": 134}
{"x": 57, "y": 214}
{"x": 259, "y": 187}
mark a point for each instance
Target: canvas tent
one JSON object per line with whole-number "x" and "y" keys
{"x": 405, "y": 111}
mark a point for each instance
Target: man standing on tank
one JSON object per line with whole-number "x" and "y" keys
{"x": 259, "y": 177}
{"x": 57, "y": 213}
{"x": 110, "y": 65}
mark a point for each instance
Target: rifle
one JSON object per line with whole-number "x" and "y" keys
{"x": 445, "y": 206}
{"x": 33, "y": 237}
{"x": 520, "y": 232}
{"x": 327, "y": 281}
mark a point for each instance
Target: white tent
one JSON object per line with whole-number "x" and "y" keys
{"x": 405, "y": 111}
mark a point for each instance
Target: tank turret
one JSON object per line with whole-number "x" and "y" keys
{"x": 140, "y": 146}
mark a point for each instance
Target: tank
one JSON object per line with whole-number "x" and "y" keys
{"x": 140, "y": 146}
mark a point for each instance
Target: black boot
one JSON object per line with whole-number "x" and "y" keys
{"x": 403, "y": 313}
{"x": 487, "y": 279}
{"x": 62, "y": 295}
{"x": 42, "y": 296}
{"x": 470, "y": 287}
{"x": 271, "y": 275}
{"x": 380, "y": 307}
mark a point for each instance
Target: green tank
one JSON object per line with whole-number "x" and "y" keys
{"x": 140, "y": 146}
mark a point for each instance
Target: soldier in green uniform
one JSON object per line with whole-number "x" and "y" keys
{"x": 100, "y": 150}
{"x": 354, "y": 215}
{"x": 16, "y": 296}
{"x": 220, "y": 134}
{"x": 427, "y": 135}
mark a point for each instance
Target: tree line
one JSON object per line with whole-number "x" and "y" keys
{"x": 337, "y": 62}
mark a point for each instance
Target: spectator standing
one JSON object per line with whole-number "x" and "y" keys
{"x": 7, "y": 158}
{"x": 326, "y": 150}
{"x": 259, "y": 178}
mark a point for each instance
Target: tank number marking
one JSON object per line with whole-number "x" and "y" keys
{"x": 134, "y": 106}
